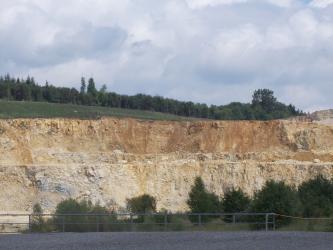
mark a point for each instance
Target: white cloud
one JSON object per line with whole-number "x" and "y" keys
{"x": 196, "y": 4}
{"x": 213, "y": 51}
{"x": 321, "y": 3}
{"x": 282, "y": 3}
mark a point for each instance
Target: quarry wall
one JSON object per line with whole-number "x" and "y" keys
{"x": 110, "y": 160}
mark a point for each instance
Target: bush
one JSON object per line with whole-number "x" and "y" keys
{"x": 71, "y": 206}
{"x": 162, "y": 217}
{"x": 37, "y": 221}
{"x": 277, "y": 197}
{"x": 142, "y": 204}
{"x": 202, "y": 201}
{"x": 316, "y": 196}
{"x": 235, "y": 201}
{"x": 77, "y": 216}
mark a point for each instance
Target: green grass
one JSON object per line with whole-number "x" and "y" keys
{"x": 310, "y": 225}
{"x": 14, "y": 109}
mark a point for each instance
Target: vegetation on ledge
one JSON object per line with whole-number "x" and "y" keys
{"x": 264, "y": 105}
{"x": 15, "y": 109}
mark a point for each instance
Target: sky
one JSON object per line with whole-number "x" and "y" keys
{"x": 207, "y": 51}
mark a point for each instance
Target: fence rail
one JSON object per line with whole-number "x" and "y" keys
{"x": 30, "y": 223}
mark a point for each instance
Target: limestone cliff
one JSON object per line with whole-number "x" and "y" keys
{"x": 110, "y": 160}
{"x": 323, "y": 116}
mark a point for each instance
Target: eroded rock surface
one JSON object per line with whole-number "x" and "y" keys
{"x": 110, "y": 160}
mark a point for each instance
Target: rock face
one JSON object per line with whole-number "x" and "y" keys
{"x": 323, "y": 117}
{"x": 110, "y": 160}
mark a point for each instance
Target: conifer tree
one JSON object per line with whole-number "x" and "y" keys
{"x": 83, "y": 85}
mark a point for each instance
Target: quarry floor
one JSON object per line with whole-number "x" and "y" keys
{"x": 173, "y": 241}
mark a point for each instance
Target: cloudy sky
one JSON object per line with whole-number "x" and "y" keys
{"x": 212, "y": 51}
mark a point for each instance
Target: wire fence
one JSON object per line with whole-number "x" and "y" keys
{"x": 129, "y": 222}
{"x": 294, "y": 223}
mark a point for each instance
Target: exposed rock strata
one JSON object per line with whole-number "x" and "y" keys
{"x": 323, "y": 117}
{"x": 110, "y": 160}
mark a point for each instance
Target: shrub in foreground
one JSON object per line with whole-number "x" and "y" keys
{"x": 277, "y": 197}
{"x": 316, "y": 196}
{"x": 37, "y": 220}
{"x": 235, "y": 201}
{"x": 74, "y": 216}
{"x": 202, "y": 201}
{"x": 142, "y": 204}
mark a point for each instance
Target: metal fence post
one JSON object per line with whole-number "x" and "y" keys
{"x": 97, "y": 223}
{"x": 30, "y": 223}
{"x": 234, "y": 219}
{"x": 63, "y": 223}
{"x": 266, "y": 222}
{"x": 131, "y": 222}
{"x": 199, "y": 220}
{"x": 274, "y": 226}
{"x": 165, "y": 220}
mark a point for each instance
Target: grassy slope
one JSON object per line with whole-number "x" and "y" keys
{"x": 13, "y": 109}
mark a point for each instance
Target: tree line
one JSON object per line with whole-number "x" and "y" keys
{"x": 313, "y": 198}
{"x": 264, "y": 105}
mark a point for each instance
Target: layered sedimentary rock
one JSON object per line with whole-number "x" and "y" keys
{"x": 110, "y": 160}
{"x": 323, "y": 117}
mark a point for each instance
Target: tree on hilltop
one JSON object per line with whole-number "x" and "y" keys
{"x": 83, "y": 85}
{"x": 264, "y": 98}
{"x": 91, "y": 89}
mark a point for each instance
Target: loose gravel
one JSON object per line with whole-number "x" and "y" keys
{"x": 172, "y": 241}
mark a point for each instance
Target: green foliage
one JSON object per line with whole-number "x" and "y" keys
{"x": 142, "y": 204}
{"x": 202, "y": 201}
{"x": 83, "y": 86}
{"x": 91, "y": 89}
{"x": 72, "y": 206}
{"x": 265, "y": 98}
{"x": 235, "y": 201}
{"x": 103, "y": 89}
{"x": 277, "y": 197}
{"x": 37, "y": 221}
{"x": 37, "y": 209}
{"x": 264, "y": 105}
{"x": 77, "y": 218}
{"x": 316, "y": 196}
{"x": 145, "y": 205}
{"x": 70, "y": 222}
{"x": 14, "y": 109}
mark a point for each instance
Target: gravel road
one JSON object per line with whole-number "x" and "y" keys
{"x": 172, "y": 241}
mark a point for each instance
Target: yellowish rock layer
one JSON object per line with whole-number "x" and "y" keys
{"x": 110, "y": 160}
